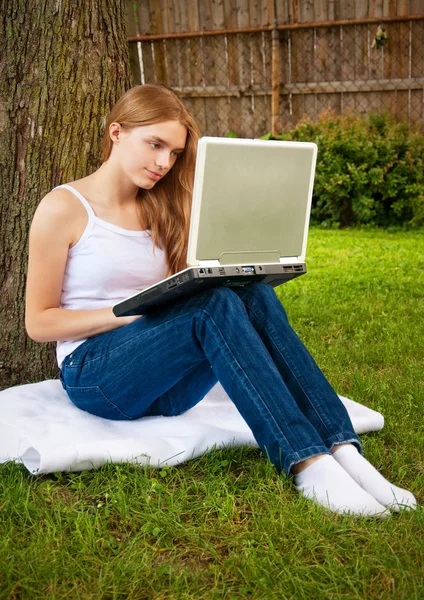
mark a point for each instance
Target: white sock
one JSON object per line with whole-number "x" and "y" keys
{"x": 371, "y": 480}
{"x": 327, "y": 483}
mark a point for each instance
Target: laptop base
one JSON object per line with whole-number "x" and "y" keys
{"x": 196, "y": 279}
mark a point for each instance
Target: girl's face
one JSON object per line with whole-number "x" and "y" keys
{"x": 148, "y": 152}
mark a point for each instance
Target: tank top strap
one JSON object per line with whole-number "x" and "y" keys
{"x": 85, "y": 202}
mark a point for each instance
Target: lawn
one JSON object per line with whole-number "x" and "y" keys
{"x": 226, "y": 525}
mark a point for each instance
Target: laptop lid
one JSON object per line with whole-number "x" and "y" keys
{"x": 251, "y": 201}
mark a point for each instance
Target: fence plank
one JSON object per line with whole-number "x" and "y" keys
{"x": 417, "y": 49}
{"x": 376, "y": 8}
{"x": 267, "y": 49}
{"x": 401, "y": 107}
{"x": 230, "y": 16}
{"x": 306, "y": 11}
{"x": 321, "y": 10}
{"x": 168, "y": 17}
{"x": 267, "y": 12}
{"x": 403, "y": 7}
{"x": 159, "y": 60}
{"x": 131, "y": 18}
{"x": 217, "y": 14}
{"x": 299, "y": 110}
{"x": 258, "y": 59}
{"x": 262, "y": 122}
{"x": 243, "y": 46}
{"x": 244, "y": 49}
{"x": 188, "y": 67}
{"x": 197, "y": 107}
{"x": 193, "y": 16}
{"x": 144, "y": 20}
{"x": 158, "y": 51}
{"x": 328, "y": 102}
{"x": 148, "y": 62}
{"x": 283, "y": 14}
{"x": 205, "y": 15}
{"x": 361, "y": 9}
{"x": 347, "y": 53}
{"x": 335, "y": 49}
{"x": 208, "y": 59}
{"x": 243, "y": 19}
{"x": 362, "y": 48}
{"x": 172, "y": 47}
{"x": 302, "y": 55}
{"x": 220, "y": 51}
{"x": 416, "y": 7}
{"x": 347, "y": 9}
{"x": 195, "y": 45}
{"x": 285, "y": 55}
{"x": 132, "y": 29}
{"x": 397, "y": 51}
{"x": 254, "y": 14}
{"x": 134, "y": 64}
{"x": 417, "y": 106}
{"x": 156, "y": 20}
{"x": 389, "y": 8}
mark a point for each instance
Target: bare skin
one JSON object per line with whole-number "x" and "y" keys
{"x": 139, "y": 158}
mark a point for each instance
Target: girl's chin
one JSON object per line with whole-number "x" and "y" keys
{"x": 145, "y": 183}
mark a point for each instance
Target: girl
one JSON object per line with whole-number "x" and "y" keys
{"x": 125, "y": 227}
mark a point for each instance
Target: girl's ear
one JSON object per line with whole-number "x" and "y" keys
{"x": 114, "y": 132}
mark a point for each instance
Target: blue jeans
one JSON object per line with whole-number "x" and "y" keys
{"x": 166, "y": 362}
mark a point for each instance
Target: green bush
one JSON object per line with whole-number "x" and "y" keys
{"x": 370, "y": 170}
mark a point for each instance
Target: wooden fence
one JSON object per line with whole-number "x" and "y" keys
{"x": 219, "y": 55}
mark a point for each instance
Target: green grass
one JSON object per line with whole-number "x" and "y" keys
{"x": 226, "y": 525}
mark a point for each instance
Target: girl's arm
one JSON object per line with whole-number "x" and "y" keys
{"x": 58, "y": 223}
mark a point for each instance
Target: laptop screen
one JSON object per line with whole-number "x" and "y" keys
{"x": 251, "y": 199}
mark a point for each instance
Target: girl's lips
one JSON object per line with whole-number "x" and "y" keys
{"x": 153, "y": 175}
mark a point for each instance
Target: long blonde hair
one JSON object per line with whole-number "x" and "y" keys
{"x": 165, "y": 208}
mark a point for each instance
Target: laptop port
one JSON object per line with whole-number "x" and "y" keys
{"x": 221, "y": 271}
{"x": 248, "y": 270}
{"x": 172, "y": 285}
{"x": 202, "y": 271}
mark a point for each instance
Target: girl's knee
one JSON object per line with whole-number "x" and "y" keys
{"x": 260, "y": 291}
{"x": 262, "y": 296}
{"x": 223, "y": 299}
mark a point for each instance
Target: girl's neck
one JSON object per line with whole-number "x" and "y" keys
{"x": 111, "y": 186}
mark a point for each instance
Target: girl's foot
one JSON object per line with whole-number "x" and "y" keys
{"x": 371, "y": 480}
{"x": 328, "y": 484}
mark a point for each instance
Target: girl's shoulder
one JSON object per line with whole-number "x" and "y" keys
{"x": 60, "y": 210}
{"x": 60, "y": 202}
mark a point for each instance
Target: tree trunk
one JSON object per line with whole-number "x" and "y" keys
{"x": 63, "y": 64}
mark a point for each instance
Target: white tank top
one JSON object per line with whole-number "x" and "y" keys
{"x": 106, "y": 265}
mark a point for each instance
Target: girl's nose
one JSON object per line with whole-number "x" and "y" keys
{"x": 163, "y": 160}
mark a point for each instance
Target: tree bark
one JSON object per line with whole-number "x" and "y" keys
{"x": 63, "y": 64}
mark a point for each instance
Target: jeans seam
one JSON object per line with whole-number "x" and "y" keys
{"x": 129, "y": 341}
{"x": 246, "y": 378}
{"x": 109, "y": 402}
{"x": 274, "y": 331}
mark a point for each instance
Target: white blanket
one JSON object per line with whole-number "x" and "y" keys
{"x": 40, "y": 427}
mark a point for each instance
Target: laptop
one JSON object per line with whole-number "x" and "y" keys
{"x": 249, "y": 219}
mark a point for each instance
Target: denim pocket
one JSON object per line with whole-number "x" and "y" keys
{"x": 93, "y": 400}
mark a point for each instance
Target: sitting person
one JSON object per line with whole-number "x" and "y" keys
{"x": 124, "y": 227}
